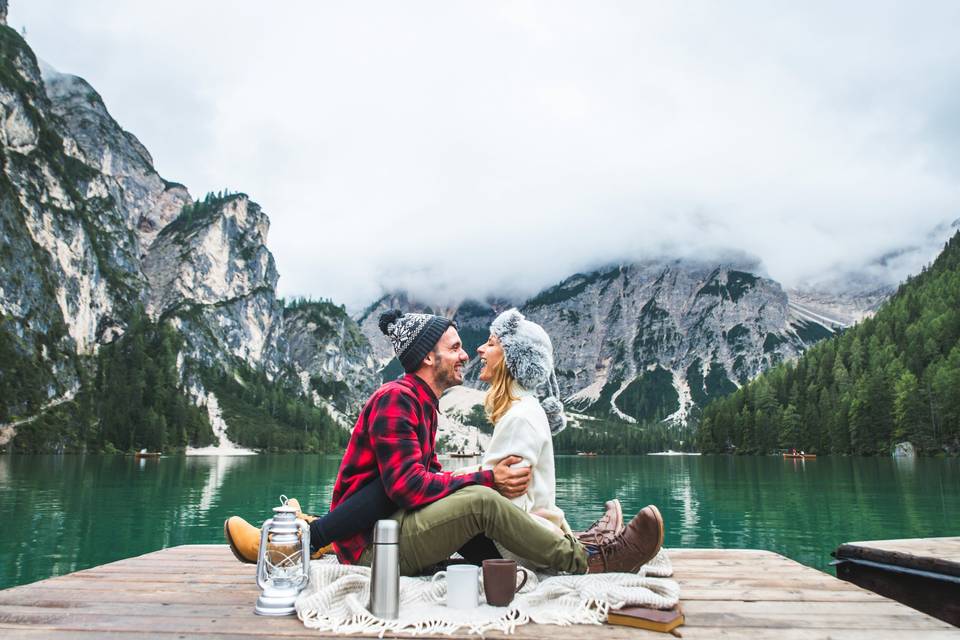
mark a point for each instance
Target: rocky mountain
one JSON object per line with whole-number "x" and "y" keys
{"x": 335, "y": 360}
{"x": 93, "y": 238}
{"x": 210, "y": 274}
{"x": 655, "y": 340}
{"x": 69, "y": 263}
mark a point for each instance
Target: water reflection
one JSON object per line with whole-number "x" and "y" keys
{"x": 218, "y": 466}
{"x": 63, "y": 513}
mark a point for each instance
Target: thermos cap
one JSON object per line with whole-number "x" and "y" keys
{"x": 386, "y": 532}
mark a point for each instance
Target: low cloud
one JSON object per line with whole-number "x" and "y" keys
{"x": 474, "y": 148}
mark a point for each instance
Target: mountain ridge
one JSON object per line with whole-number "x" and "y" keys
{"x": 616, "y": 324}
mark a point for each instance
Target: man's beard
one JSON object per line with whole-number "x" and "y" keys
{"x": 445, "y": 377}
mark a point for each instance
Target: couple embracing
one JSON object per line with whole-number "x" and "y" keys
{"x": 504, "y": 507}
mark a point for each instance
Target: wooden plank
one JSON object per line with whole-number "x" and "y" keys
{"x": 66, "y": 598}
{"x": 946, "y": 547}
{"x": 937, "y": 555}
{"x": 527, "y": 631}
{"x": 697, "y": 610}
{"x": 827, "y": 583}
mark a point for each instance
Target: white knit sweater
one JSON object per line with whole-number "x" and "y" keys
{"x": 523, "y": 431}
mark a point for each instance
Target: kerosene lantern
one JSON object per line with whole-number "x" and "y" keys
{"x": 283, "y": 563}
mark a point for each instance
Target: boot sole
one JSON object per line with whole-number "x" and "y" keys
{"x": 233, "y": 547}
{"x": 656, "y": 512}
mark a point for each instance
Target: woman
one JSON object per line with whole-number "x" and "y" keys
{"x": 523, "y": 405}
{"x": 517, "y": 362}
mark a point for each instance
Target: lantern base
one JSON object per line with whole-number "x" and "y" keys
{"x": 276, "y": 602}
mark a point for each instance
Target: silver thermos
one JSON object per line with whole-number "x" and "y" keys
{"x": 385, "y": 570}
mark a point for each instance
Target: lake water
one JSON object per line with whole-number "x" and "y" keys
{"x": 63, "y": 513}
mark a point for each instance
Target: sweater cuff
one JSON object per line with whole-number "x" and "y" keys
{"x": 484, "y": 477}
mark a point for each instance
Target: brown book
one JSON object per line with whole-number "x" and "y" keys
{"x": 663, "y": 620}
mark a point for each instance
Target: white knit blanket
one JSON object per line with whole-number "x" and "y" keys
{"x": 337, "y": 596}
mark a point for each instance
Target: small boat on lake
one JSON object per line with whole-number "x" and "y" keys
{"x": 143, "y": 453}
{"x": 799, "y": 456}
{"x": 589, "y": 454}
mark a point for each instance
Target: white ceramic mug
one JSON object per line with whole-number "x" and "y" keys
{"x": 463, "y": 585}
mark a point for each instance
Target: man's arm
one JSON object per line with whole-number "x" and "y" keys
{"x": 434, "y": 465}
{"x": 399, "y": 456}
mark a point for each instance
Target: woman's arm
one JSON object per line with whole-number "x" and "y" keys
{"x": 513, "y": 436}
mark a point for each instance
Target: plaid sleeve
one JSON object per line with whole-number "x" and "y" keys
{"x": 434, "y": 465}
{"x": 399, "y": 454}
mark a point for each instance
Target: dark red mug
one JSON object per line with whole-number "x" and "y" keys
{"x": 500, "y": 581}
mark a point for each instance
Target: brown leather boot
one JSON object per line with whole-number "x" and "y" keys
{"x": 606, "y": 528}
{"x": 635, "y": 546}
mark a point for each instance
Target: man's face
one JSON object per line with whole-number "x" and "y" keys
{"x": 449, "y": 359}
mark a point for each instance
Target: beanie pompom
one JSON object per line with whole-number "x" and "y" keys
{"x": 387, "y": 318}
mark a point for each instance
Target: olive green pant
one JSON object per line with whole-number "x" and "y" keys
{"x": 430, "y": 534}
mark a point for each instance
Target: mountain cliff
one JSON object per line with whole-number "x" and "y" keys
{"x": 113, "y": 278}
{"x": 335, "y": 360}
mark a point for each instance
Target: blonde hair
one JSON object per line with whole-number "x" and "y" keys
{"x": 499, "y": 398}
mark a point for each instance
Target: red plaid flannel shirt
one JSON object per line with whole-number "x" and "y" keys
{"x": 394, "y": 440}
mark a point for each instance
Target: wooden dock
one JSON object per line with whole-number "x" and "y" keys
{"x": 923, "y": 573}
{"x": 201, "y": 591}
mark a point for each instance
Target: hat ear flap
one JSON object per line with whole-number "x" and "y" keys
{"x": 553, "y": 407}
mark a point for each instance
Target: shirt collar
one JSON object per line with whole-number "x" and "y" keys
{"x": 424, "y": 388}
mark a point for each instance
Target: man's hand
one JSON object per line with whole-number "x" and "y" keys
{"x": 511, "y": 483}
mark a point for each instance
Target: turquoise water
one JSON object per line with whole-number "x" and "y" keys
{"x": 63, "y": 513}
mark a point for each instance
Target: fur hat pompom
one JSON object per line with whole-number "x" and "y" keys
{"x": 387, "y": 318}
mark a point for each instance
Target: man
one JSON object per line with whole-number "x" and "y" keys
{"x": 394, "y": 442}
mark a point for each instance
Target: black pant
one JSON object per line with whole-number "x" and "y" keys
{"x": 361, "y": 511}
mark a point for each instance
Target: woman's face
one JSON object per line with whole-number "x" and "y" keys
{"x": 491, "y": 353}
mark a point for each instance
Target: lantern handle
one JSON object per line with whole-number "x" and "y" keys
{"x": 261, "y": 569}
{"x": 305, "y": 552}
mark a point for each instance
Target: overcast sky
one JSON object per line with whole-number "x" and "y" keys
{"x": 472, "y": 147}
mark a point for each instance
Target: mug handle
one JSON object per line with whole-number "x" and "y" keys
{"x": 434, "y": 586}
{"x": 522, "y": 582}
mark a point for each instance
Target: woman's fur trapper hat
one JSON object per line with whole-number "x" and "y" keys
{"x": 528, "y": 355}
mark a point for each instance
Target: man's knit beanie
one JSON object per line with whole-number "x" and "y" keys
{"x": 413, "y": 335}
